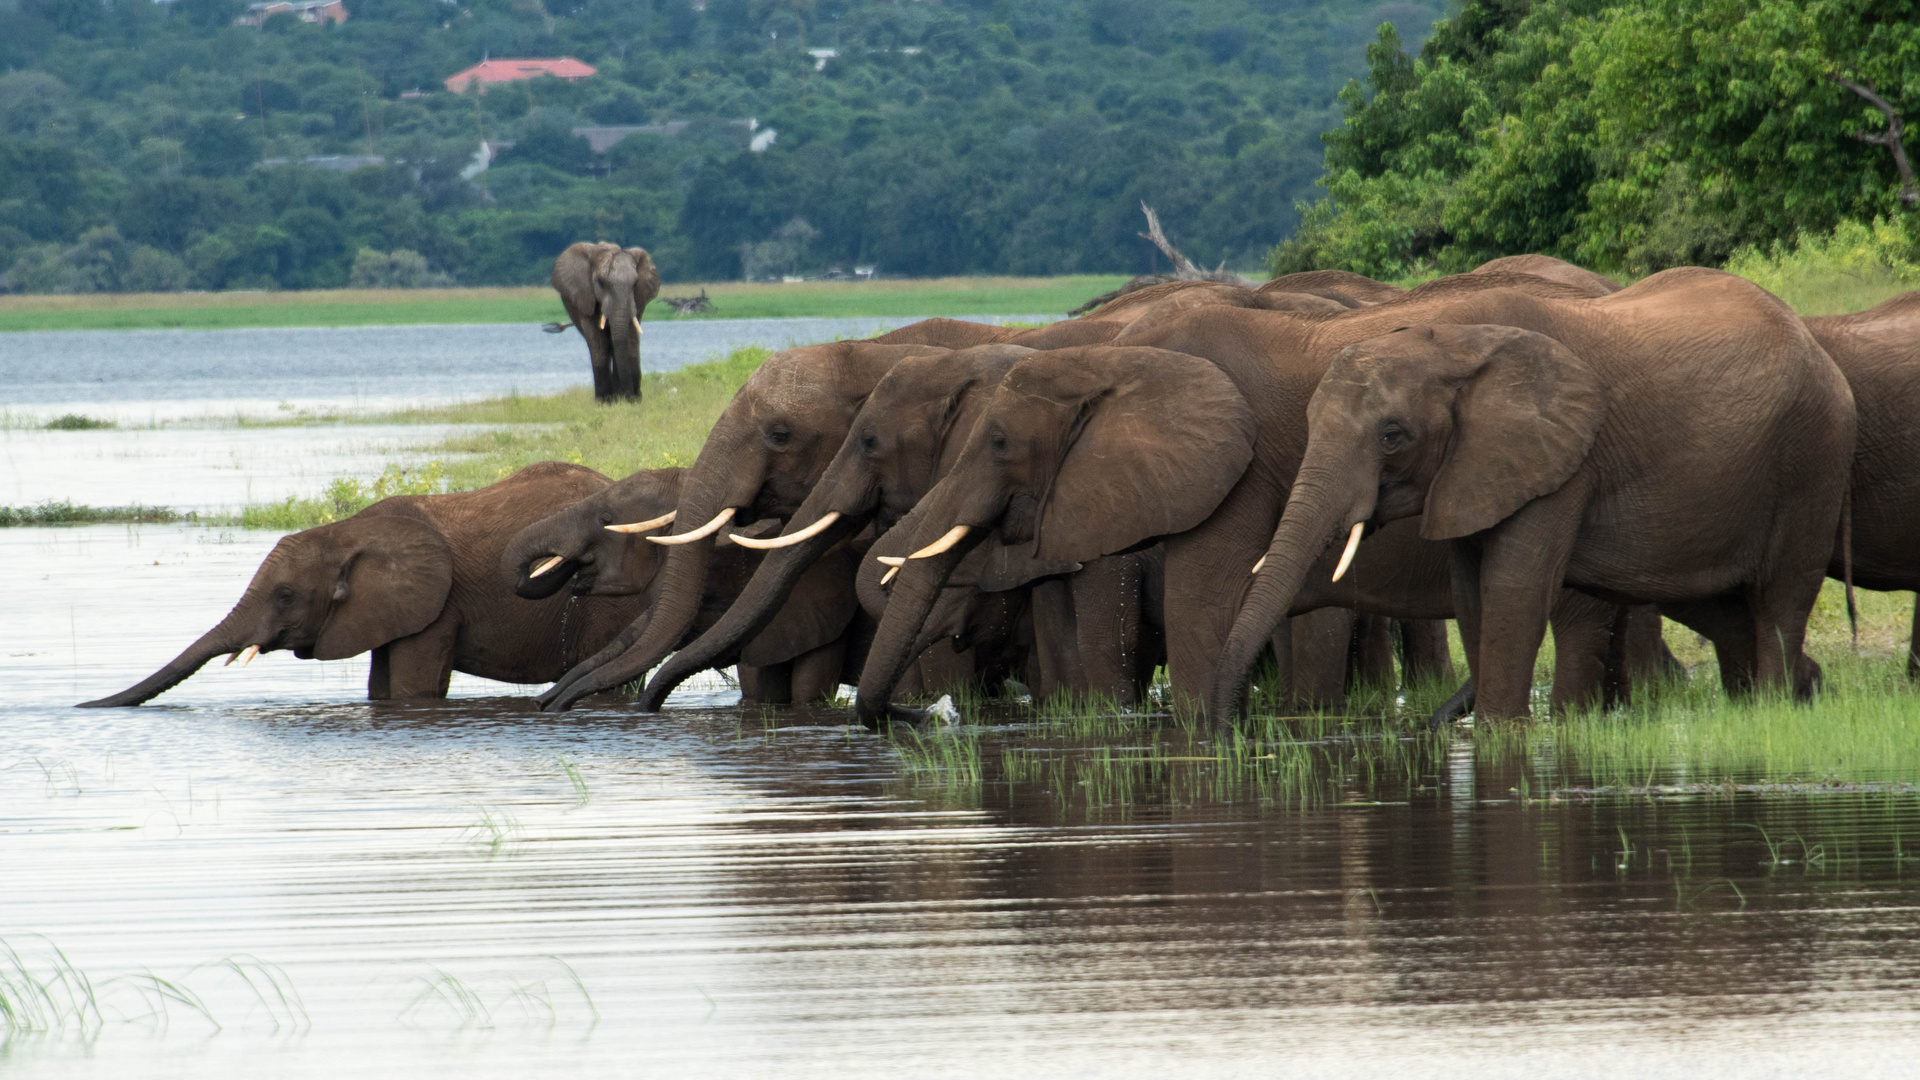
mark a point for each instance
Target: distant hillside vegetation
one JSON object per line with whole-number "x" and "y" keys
{"x": 153, "y": 146}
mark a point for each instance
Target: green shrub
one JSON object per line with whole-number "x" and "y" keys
{"x": 77, "y": 422}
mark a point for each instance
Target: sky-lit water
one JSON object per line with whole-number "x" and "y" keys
{"x": 147, "y": 376}
{"x": 473, "y": 889}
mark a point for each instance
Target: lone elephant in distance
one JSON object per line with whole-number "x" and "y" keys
{"x": 605, "y": 289}
{"x": 415, "y": 579}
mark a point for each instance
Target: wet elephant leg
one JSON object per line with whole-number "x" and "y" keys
{"x": 1583, "y": 640}
{"x": 1723, "y": 620}
{"x": 817, "y": 674}
{"x": 1105, "y": 596}
{"x": 1056, "y": 640}
{"x": 380, "y": 675}
{"x": 1370, "y": 659}
{"x": 767, "y": 684}
{"x": 421, "y": 666}
{"x": 1426, "y": 656}
{"x": 1638, "y": 653}
{"x": 944, "y": 670}
{"x": 1322, "y": 641}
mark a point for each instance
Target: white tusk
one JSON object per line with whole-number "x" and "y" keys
{"x": 643, "y": 526}
{"x": 636, "y": 326}
{"x": 790, "y": 539}
{"x": 954, "y": 536}
{"x": 889, "y": 575}
{"x": 1261, "y": 563}
{"x": 719, "y": 522}
{"x": 895, "y": 561}
{"x": 245, "y": 656}
{"x": 1353, "y": 545}
{"x": 603, "y": 320}
{"x": 546, "y": 565}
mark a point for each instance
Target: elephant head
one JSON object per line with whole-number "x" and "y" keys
{"x": 599, "y": 544}
{"x": 761, "y": 460}
{"x": 605, "y": 289}
{"x": 326, "y": 594}
{"x": 1080, "y": 453}
{"x": 905, "y": 437}
{"x": 1462, "y": 424}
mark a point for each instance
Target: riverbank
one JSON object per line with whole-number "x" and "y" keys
{"x": 532, "y": 304}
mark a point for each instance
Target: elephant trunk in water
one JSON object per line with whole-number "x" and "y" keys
{"x": 229, "y": 636}
{"x": 1324, "y": 505}
{"x": 898, "y": 641}
{"x": 706, "y": 495}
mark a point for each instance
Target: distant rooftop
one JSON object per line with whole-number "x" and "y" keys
{"x": 307, "y": 11}
{"x": 499, "y": 71}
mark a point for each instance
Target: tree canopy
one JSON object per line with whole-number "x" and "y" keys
{"x": 1632, "y": 136}
{"x": 152, "y": 144}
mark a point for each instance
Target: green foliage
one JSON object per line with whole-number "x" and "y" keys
{"x": 1631, "y": 136}
{"x": 345, "y": 497}
{"x": 1851, "y": 269}
{"x": 963, "y": 137}
{"x": 66, "y": 513}
{"x": 77, "y": 422}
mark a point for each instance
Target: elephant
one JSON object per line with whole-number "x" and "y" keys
{"x": 598, "y": 547}
{"x": 1552, "y": 269}
{"x": 1685, "y": 442}
{"x": 605, "y": 289}
{"x": 761, "y": 459}
{"x": 414, "y": 579}
{"x": 1878, "y": 351}
{"x": 897, "y": 445}
{"x": 1081, "y": 438}
{"x": 961, "y": 334}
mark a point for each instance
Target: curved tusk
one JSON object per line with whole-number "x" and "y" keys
{"x": 644, "y": 526}
{"x": 1261, "y": 563}
{"x": 895, "y": 561}
{"x": 636, "y": 327}
{"x": 808, "y": 533}
{"x": 245, "y": 656}
{"x": 603, "y": 320}
{"x": 719, "y": 522}
{"x": 1353, "y": 545}
{"x": 546, "y": 565}
{"x": 954, "y": 536}
{"x": 889, "y": 575}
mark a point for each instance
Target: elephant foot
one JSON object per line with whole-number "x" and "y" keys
{"x": 1455, "y": 707}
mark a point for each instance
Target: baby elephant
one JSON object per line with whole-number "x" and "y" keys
{"x": 415, "y": 579}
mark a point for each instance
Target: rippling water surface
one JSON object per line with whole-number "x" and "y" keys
{"x": 473, "y": 889}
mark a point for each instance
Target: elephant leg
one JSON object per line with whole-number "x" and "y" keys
{"x": 1282, "y": 649}
{"x": 816, "y": 673}
{"x": 766, "y": 684}
{"x": 1780, "y": 608}
{"x": 944, "y": 670}
{"x": 1105, "y": 596}
{"x": 1207, "y": 573}
{"x": 1913, "y": 642}
{"x": 1370, "y": 659}
{"x": 1638, "y": 653}
{"x": 1521, "y": 566}
{"x": 420, "y": 666}
{"x": 1322, "y": 642}
{"x": 1055, "y": 639}
{"x": 1425, "y": 655}
{"x": 380, "y": 675}
{"x": 599, "y": 355}
{"x": 1583, "y": 638}
{"x": 1724, "y": 621}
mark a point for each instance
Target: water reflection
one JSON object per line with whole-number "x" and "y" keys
{"x": 469, "y": 887}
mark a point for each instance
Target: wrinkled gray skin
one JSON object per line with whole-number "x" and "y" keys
{"x": 605, "y": 289}
{"x": 415, "y": 579}
{"x": 765, "y": 453}
{"x": 797, "y": 657}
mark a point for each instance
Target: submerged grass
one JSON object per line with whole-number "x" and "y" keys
{"x": 48, "y": 995}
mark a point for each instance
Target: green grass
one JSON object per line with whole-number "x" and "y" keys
{"x": 77, "y": 422}
{"x": 66, "y": 513}
{"x": 530, "y": 304}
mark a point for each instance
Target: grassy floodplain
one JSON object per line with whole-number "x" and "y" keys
{"x": 394, "y": 307}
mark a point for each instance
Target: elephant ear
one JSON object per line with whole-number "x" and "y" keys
{"x": 392, "y": 575}
{"x": 647, "y": 285}
{"x": 816, "y": 612}
{"x": 1159, "y": 441}
{"x": 1524, "y": 421}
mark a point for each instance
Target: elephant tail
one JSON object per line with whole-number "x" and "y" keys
{"x": 1846, "y": 565}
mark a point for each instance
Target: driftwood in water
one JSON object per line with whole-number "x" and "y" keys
{"x": 688, "y": 305}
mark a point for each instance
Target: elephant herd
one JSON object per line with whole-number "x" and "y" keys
{"x": 1195, "y": 474}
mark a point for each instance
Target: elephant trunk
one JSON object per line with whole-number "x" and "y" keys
{"x": 757, "y": 605}
{"x": 1324, "y": 504}
{"x": 896, "y": 643}
{"x": 226, "y": 637}
{"x": 623, "y": 330}
{"x": 528, "y": 561}
{"x": 682, "y": 581}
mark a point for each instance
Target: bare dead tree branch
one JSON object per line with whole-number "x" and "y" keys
{"x": 1891, "y": 138}
{"x": 1181, "y": 264}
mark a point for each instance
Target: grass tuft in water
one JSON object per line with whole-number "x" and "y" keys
{"x": 67, "y": 513}
{"x": 77, "y": 422}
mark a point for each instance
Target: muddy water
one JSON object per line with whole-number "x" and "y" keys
{"x": 470, "y": 889}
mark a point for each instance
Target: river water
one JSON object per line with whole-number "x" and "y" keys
{"x": 261, "y": 873}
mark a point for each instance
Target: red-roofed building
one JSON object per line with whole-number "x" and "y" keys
{"x": 499, "y": 71}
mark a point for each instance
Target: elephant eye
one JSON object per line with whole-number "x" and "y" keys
{"x": 1394, "y": 438}
{"x": 779, "y": 437}
{"x": 999, "y": 443}
{"x": 283, "y": 596}
{"x": 869, "y": 442}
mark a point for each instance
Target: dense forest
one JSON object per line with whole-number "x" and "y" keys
{"x": 1628, "y": 136}
{"x": 150, "y": 145}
